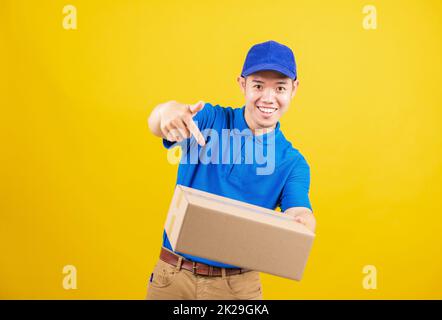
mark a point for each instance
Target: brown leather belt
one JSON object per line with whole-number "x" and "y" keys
{"x": 197, "y": 267}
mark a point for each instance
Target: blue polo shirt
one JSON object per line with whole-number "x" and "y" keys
{"x": 228, "y": 170}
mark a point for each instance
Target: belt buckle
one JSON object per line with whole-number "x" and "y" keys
{"x": 194, "y": 267}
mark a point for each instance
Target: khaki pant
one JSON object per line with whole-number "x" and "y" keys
{"x": 167, "y": 282}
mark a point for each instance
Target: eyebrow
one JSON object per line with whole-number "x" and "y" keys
{"x": 279, "y": 82}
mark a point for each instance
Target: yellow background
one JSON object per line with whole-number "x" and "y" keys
{"x": 84, "y": 183}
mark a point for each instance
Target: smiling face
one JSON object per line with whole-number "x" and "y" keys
{"x": 268, "y": 95}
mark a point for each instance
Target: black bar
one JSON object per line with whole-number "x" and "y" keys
{"x": 204, "y": 309}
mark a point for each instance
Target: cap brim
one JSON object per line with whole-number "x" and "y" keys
{"x": 269, "y": 66}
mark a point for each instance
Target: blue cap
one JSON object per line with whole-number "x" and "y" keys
{"x": 270, "y": 55}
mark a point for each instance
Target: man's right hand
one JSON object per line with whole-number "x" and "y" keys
{"x": 175, "y": 121}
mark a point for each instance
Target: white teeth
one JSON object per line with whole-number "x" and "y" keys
{"x": 266, "y": 110}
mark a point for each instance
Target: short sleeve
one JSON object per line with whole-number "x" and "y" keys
{"x": 295, "y": 192}
{"x": 203, "y": 119}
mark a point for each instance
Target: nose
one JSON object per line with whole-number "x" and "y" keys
{"x": 268, "y": 96}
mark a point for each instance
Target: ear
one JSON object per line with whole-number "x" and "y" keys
{"x": 295, "y": 87}
{"x": 242, "y": 84}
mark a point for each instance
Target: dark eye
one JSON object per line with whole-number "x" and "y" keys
{"x": 281, "y": 89}
{"x": 258, "y": 86}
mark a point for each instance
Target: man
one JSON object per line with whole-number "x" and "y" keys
{"x": 269, "y": 83}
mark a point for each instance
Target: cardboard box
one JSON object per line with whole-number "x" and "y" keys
{"x": 237, "y": 233}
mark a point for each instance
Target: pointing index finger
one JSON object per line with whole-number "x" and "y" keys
{"x": 196, "y": 132}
